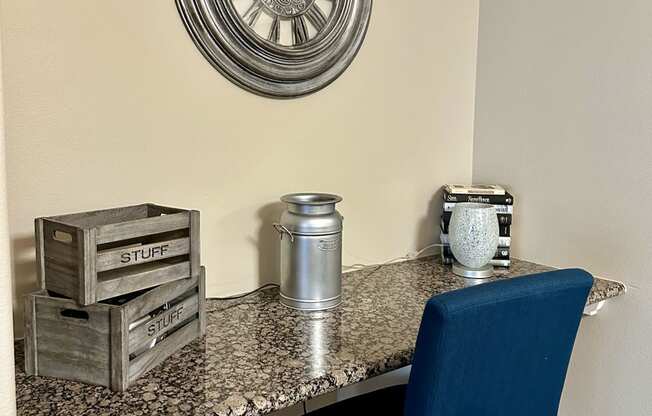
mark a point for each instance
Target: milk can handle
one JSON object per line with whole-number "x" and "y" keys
{"x": 282, "y": 229}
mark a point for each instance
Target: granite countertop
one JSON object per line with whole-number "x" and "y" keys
{"x": 259, "y": 356}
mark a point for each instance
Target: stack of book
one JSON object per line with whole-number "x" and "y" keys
{"x": 487, "y": 194}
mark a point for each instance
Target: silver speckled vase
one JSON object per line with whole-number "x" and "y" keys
{"x": 473, "y": 235}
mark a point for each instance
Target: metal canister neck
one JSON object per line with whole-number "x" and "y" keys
{"x": 311, "y": 203}
{"x": 311, "y": 214}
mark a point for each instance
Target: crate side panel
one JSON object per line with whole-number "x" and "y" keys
{"x": 61, "y": 250}
{"x": 72, "y": 348}
{"x": 60, "y": 265}
{"x": 61, "y": 279}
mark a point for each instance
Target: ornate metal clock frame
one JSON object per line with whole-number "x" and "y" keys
{"x": 278, "y": 48}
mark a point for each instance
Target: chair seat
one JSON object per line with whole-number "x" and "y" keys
{"x": 387, "y": 402}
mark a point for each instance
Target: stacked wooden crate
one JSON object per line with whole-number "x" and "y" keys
{"x": 121, "y": 290}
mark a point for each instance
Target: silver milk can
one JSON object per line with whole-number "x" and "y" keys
{"x": 311, "y": 251}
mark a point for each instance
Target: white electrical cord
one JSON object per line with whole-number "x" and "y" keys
{"x": 408, "y": 256}
{"x": 357, "y": 266}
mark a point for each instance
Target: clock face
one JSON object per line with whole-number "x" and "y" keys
{"x": 286, "y": 22}
{"x": 288, "y": 8}
{"x": 278, "y": 48}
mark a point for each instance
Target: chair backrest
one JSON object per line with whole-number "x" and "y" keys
{"x": 497, "y": 349}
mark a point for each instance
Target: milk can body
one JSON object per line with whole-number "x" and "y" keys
{"x": 311, "y": 251}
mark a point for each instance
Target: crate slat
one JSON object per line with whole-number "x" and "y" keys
{"x": 116, "y": 283}
{"x": 155, "y": 210}
{"x": 153, "y": 357}
{"x": 40, "y": 252}
{"x": 202, "y": 311}
{"x": 87, "y": 265}
{"x": 151, "y": 300}
{"x": 96, "y": 218}
{"x": 195, "y": 242}
{"x": 31, "y": 356}
{"x": 130, "y": 229}
{"x": 119, "y": 350}
{"x": 165, "y": 322}
{"x": 147, "y": 253}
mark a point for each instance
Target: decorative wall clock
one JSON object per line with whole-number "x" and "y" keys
{"x": 278, "y": 48}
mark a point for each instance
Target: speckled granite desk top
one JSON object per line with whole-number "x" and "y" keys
{"x": 259, "y": 356}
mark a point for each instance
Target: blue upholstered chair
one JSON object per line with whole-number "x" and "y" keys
{"x": 497, "y": 349}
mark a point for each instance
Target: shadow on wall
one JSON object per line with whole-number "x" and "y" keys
{"x": 268, "y": 243}
{"x": 23, "y": 253}
{"x": 428, "y": 228}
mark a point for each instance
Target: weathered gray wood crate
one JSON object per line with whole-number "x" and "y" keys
{"x": 98, "y": 255}
{"x": 114, "y": 342}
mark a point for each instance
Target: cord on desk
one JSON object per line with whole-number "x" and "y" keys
{"x": 243, "y": 295}
{"x": 409, "y": 256}
{"x": 376, "y": 267}
{"x": 305, "y": 412}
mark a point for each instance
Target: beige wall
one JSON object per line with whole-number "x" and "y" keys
{"x": 109, "y": 103}
{"x": 7, "y": 389}
{"x": 564, "y": 116}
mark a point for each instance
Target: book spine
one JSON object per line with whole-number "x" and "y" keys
{"x": 500, "y": 209}
{"x": 502, "y": 253}
{"x": 500, "y": 263}
{"x": 475, "y": 190}
{"x": 447, "y": 260}
{"x": 506, "y": 199}
{"x": 493, "y": 262}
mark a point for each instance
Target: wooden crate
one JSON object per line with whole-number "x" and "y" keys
{"x": 98, "y": 255}
{"x": 114, "y": 342}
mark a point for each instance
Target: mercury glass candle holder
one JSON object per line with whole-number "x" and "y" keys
{"x": 473, "y": 235}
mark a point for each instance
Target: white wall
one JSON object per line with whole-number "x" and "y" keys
{"x": 110, "y": 103}
{"x": 564, "y": 116}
